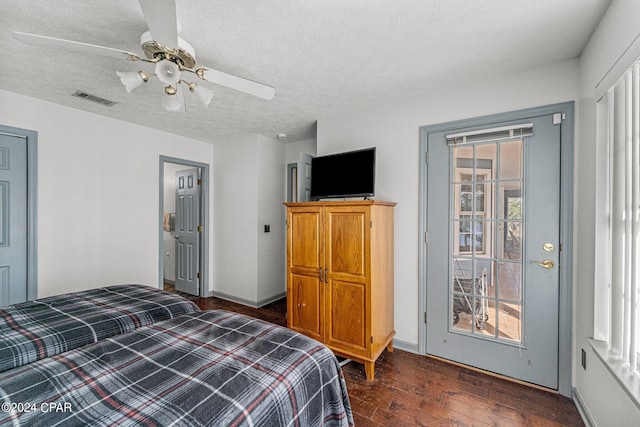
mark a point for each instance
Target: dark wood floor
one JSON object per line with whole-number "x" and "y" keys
{"x": 416, "y": 390}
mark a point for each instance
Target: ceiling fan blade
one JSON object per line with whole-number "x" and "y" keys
{"x": 71, "y": 45}
{"x": 238, "y": 83}
{"x": 162, "y": 21}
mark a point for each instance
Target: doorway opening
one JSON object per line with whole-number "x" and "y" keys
{"x": 172, "y": 267}
{"x": 292, "y": 182}
{"x": 299, "y": 179}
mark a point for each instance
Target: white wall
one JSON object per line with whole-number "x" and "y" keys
{"x": 98, "y": 202}
{"x": 271, "y": 272}
{"x": 293, "y": 149}
{"x": 249, "y": 194}
{"x": 606, "y": 402}
{"x": 235, "y": 181}
{"x": 394, "y": 131}
{"x": 98, "y": 194}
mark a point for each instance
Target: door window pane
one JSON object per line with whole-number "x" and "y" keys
{"x": 510, "y": 281}
{"x": 470, "y": 235}
{"x": 511, "y": 160}
{"x": 485, "y": 159}
{"x": 510, "y": 326}
{"x": 509, "y": 200}
{"x": 486, "y": 232}
{"x": 465, "y": 153}
{"x": 509, "y": 242}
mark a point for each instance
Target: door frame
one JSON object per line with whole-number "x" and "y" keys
{"x": 565, "y": 327}
{"x": 31, "y": 138}
{"x": 290, "y": 187}
{"x": 204, "y": 216}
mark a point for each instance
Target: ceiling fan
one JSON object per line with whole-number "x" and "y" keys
{"x": 173, "y": 58}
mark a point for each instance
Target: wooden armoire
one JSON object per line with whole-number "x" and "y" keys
{"x": 340, "y": 276}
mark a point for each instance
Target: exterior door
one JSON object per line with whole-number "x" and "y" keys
{"x": 188, "y": 231}
{"x": 493, "y": 212}
{"x": 13, "y": 220}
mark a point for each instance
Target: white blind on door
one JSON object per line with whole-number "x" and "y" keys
{"x": 492, "y": 134}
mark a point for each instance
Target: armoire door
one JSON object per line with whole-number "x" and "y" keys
{"x": 347, "y": 271}
{"x": 305, "y": 259}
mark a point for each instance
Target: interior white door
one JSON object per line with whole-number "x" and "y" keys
{"x": 13, "y": 220}
{"x": 493, "y": 249}
{"x": 187, "y": 232}
{"x": 304, "y": 177}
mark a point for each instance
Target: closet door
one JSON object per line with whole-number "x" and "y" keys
{"x": 13, "y": 220}
{"x": 188, "y": 230}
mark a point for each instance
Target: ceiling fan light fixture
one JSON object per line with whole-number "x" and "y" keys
{"x": 170, "y": 55}
{"x": 132, "y": 79}
{"x": 202, "y": 93}
{"x": 168, "y": 72}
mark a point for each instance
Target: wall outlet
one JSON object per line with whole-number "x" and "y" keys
{"x": 584, "y": 359}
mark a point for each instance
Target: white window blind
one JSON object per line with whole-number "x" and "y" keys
{"x": 617, "y": 270}
{"x": 493, "y": 134}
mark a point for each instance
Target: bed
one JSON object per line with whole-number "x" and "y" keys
{"x": 45, "y": 327}
{"x": 209, "y": 368}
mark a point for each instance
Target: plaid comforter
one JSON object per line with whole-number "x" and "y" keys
{"x": 44, "y": 327}
{"x": 211, "y": 368}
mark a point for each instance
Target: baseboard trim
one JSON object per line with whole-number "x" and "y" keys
{"x": 269, "y": 300}
{"x": 582, "y": 409}
{"x": 405, "y": 346}
{"x": 233, "y": 298}
{"x": 247, "y": 302}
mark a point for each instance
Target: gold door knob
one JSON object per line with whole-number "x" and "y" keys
{"x": 547, "y": 263}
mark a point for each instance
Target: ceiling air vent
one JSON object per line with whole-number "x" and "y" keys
{"x": 93, "y": 98}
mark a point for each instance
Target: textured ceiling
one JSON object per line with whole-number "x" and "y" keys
{"x": 323, "y": 57}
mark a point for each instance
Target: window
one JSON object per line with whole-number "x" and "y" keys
{"x": 616, "y": 326}
{"x": 472, "y": 232}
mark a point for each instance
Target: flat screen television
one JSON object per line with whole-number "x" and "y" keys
{"x": 349, "y": 174}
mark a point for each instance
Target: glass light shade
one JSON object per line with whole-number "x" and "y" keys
{"x": 202, "y": 93}
{"x": 168, "y": 72}
{"x": 172, "y": 102}
{"x": 131, "y": 79}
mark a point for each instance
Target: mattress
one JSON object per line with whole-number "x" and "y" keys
{"x": 45, "y": 327}
{"x": 213, "y": 368}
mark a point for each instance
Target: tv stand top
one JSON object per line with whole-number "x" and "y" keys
{"x": 333, "y": 202}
